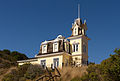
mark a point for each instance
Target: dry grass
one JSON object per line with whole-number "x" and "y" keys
{"x": 68, "y": 73}
{"x": 5, "y": 72}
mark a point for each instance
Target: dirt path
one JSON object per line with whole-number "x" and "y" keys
{"x": 9, "y": 70}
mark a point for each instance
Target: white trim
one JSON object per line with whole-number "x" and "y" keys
{"x": 78, "y": 36}
{"x": 59, "y": 53}
{"x": 29, "y": 60}
{"x": 75, "y": 37}
{"x": 59, "y": 37}
{"x": 79, "y": 55}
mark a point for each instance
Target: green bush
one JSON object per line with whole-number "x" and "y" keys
{"x": 108, "y": 70}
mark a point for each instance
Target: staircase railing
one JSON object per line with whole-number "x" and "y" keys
{"x": 50, "y": 75}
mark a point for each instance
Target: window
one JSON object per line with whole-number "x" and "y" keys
{"x": 43, "y": 63}
{"x": 44, "y": 49}
{"x": 68, "y": 48}
{"x": 56, "y": 62}
{"x": 84, "y": 48}
{"x": 55, "y": 47}
{"x": 80, "y": 31}
{"x": 84, "y": 32}
{"x": 75, "y": 47}
{"x": 75, "y": 31}
{"x": 84, "y": 62}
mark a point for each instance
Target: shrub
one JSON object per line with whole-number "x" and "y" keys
{"x": 108, "y": 70}
{"x": 8, "y": 78}
{"x": 33, "y": 71}
{"x": 24, "y": 72}
{"x": 5, "y": 65}
{"x": 6, "y": 51}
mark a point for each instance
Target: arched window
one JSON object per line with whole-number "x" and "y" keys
{"x": 75, "y": 47}
{"x": 75, "y": 31}
{"x": 44, "y": 49}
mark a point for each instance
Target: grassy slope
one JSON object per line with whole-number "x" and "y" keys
{"x": 68, "y": 73}
{"x": 8, "y": 61}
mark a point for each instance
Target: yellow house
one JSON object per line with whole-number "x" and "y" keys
{"x": 64, "y": 51}
{"x": 53, "y": 53}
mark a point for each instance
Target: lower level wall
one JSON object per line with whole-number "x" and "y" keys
{"x": 62, "y": 60}
{"x": 50, "y": 60}
{"x": 77, "y": 60}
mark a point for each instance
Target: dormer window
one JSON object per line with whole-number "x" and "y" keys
{"x": 44, "y": 49}
{"x": 55, "y": 47}
{"x": 80, "y": 31}
{"x": 75, "y": 31}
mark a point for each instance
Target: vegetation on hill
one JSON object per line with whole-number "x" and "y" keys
{"x": 27, "y": 72}
{"x": 107, "y": 70}
{"x": 68, "y": 73}
{"x": 8, "y": 60}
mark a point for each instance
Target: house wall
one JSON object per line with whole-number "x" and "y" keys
{"x": 85, "y": 55}
{"x": 77, "y": 59}
{"x": 63, "y": 59}
{"x": 29, "y": 62}
{"x": 77, "y": 40}
{"x": 49, "y": 60}
{"x": 66, "y": 59}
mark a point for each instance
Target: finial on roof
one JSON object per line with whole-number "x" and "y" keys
{"x": 78, "y": 10}
{"x": 85, "y": 21}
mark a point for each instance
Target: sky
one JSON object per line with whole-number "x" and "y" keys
{"x": 24, "y": 24}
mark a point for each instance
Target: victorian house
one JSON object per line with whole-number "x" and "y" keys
{"x": 64, "y": 51}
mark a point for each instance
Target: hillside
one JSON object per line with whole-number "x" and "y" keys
{"x": 107, "y": 70}
{"x": 8, "y": 61}
{"x": 8, "y": 58}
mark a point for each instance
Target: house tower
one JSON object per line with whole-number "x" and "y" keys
{"x": 79, "y": 41}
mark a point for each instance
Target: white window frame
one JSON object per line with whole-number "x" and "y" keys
{"x": 55, "y": 47}
{"x": 56, "y": 62}
{"x": 43, "y": 63}
{"x": 75, "y": 31}
{"x": 44, "y": 49}
{"x": 75, "y": 47}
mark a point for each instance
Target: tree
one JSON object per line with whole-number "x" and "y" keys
{"x": 6, "y": 51}
{"x": 108, "y": 70}
{"x": 111, "y": 67}
{"x": 18, "y": 56}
